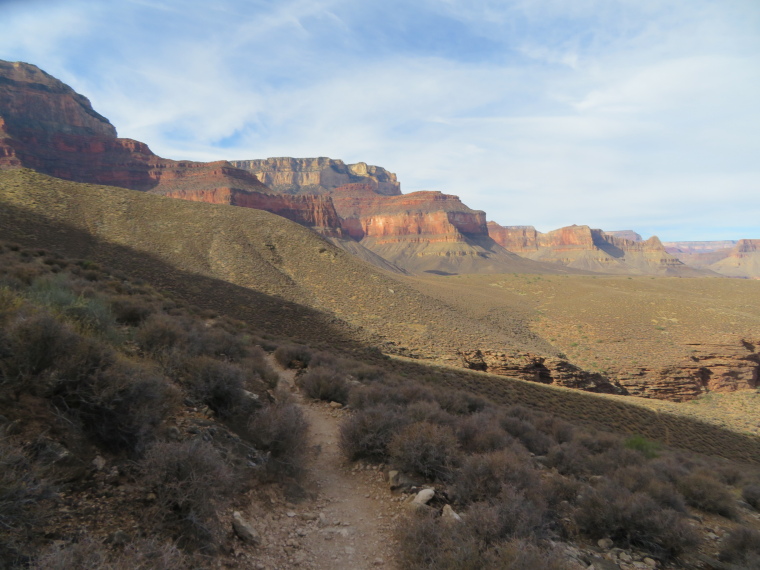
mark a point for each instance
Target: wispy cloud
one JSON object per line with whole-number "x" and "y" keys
{"x": 621, "y": 113}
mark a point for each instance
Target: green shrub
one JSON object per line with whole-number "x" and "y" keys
{"x": 426, "y": 449}
{"x": 649, "y": 449}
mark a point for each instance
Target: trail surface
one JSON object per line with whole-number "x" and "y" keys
{"x": 348, "y": 519}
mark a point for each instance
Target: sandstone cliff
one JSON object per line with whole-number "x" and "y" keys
{"x": 582, "y": 247}
{"x": 318, "y": 175}
{"x": 743, "y": 260}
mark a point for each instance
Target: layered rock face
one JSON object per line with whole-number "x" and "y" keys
{"x": 714, "y": 367}
{"x": 546, "y": 370}
{"x": 319, "y": 175}
{"x": 626, "y": 234}
{"x": 418, "y": 215}
{"x": 45, "y": 125}
{"x": 582, "y": 247}
{"x": 743, "y": 260}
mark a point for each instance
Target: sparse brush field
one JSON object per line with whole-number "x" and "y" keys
{"x": 133, "y": 424}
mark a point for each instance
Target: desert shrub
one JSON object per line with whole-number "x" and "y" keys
{"x": 460, "y": 403}
{"x": 598, "y": 443}
{"x": 507, "y": 515}
{"x": 191, "y": 481}
{"x": 293, "y": 356}
{"x": 256, "y": 367}
{"x": 159, "y": 333}
{"x": 670, "y": 468}
{"x": 570, "y": 459}
{"x": 425, "y": 541}
{"x": 481, "y": 477}
{"x": 481, "y": 433}
{"x": 642, "y": 478}
{"x": 37, "y": 343}
{"x": 751, "y": 494}
{"x": 426, "y": 449}
{"x": 217, "y": 342}
{"x": 280, "y": 430}
{"x": 703, "y": 492}
{"x": 535, "y": 441}
{"x": 426, "y": 411}
{"x": 556, "y": 489}
{"x": 742, "y": 548}
{"x": 368, "y": 432}
{"x": 520, "y": 554}
{"x": 363, "y": 397}
{"x": 143, "y": 554}
{"x": 649, "y": 449}
{"x": 633, "y": 520}
{"x": 21, "y": 494}
{"x": 215, "y": 383}
{"x": 130, "y": 310}
{"x": 120, "y": 406}
{"x": 558, "y": 430}
{"x": 322, "y": 383}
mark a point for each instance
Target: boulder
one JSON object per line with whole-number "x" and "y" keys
{"x": 244, "y": 530}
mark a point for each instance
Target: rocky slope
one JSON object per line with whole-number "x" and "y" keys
{"x": 726, "y": 257}
{"x": 318, "y": 175}
{"x": 743, "y": 260}
{"x": 582, "y": 247}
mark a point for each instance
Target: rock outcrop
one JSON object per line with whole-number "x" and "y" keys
{"x": 546, "y": 370}
{"x": 743, "y": 260}
{"x": 626, "y": 234}
{"x": 715, "y": 367}
{"x": 318, "y": 175}
{"x": 424, "y": 232}
{"x": 582, "y": 247}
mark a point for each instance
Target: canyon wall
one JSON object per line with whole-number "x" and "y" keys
{"x": 318, "y": 175}
{"x": 582, "y": 247}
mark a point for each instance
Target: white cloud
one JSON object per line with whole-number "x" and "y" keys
{"x": 637, "y": 114}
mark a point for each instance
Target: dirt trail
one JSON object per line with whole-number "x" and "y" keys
{"x": 352, "y": 510}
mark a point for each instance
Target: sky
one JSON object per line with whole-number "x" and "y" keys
{"x": 618, "y": 114}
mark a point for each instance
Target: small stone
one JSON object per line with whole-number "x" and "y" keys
{"x": 605, "y": 543}
{"x": 650, "y": 562}
{"x": 378, "y": 562}
{"x": 336, "y": 405}
{"x": 244, "y": 530}
{"x": 291, "y": 514}
{"x": 449, "y": 514}
{"x": 119, "y": 538}
{"x": 308, "y": 516}
{"x": 173, "y": 433}
{"x": 424, "y": 496}
{"x": 99, "y": 463}
{"x": 350, "y": 550}
{"x": 150, "y": 497}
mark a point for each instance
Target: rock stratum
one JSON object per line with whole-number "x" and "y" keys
{"x": 318, "y": 175}
{"x": 585, "y": 248}
{"x": 728, "y": 257}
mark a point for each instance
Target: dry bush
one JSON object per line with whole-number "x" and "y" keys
{"x": 520, "y": 554}
{"x": 217, "y": 384}
{"x": 460, "y": 403}
{"x": 21, "y": 494}
{"x": 642, "y": 478}
{"x": 322, "y": 383}
{"x": 742, "y": 548}
{"x": 37, "y": 343}
{"x": 426, "y": 449}
{"x": 535, "y": 441}
{"x": 425, "y": 541}
{"x": 482, "y": 477}
{"x": 293, "y": 356}
{"x": 280, "y": 430}
{"x": 257, "y": 369}
{"x": 633, "y": 520}
{"x": 218, "y": 343}
{"x": 368, "y": 432}
{"x": 131, "y": 310}
{"x": 88, "y": 554}
{"x": 704, "y": 492}
{"x": 160, "y": 333}
{"x": 119, "y": 406}
{"x": 751, "y": 494}
{"x": 425, "y": 411}
{"x": 191, "y": 481}
{"x": 507, "y": 515}
{"x": 481, "y": 433}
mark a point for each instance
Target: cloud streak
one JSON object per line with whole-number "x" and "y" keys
{"x": 617, "y": 114}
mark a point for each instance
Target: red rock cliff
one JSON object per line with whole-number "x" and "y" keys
{"x": 45, "y": 125}
{"x": 436, "y": 216}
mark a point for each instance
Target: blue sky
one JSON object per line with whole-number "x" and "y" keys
{"x": 619, "y": 114}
